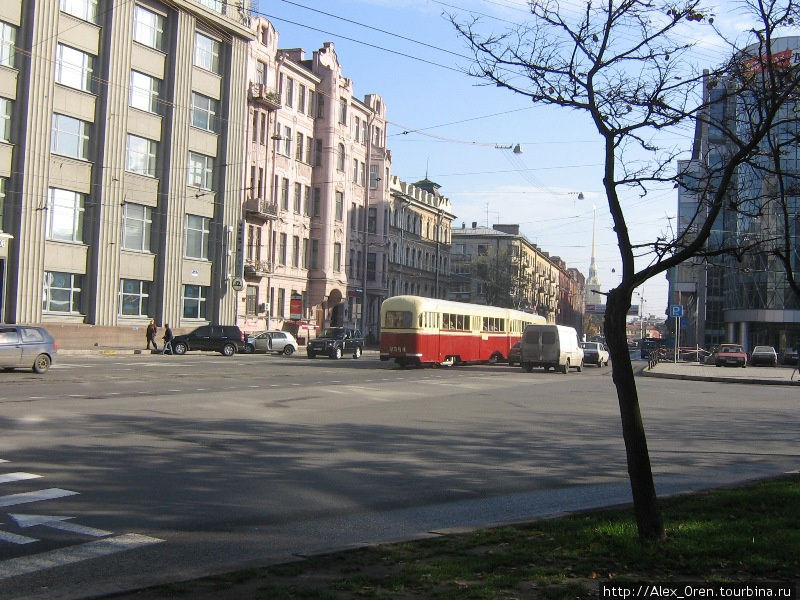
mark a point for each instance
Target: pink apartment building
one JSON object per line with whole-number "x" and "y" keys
{"x": 313, "y": 238}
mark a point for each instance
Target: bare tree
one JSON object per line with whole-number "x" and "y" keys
{"x": 628, "y": 67}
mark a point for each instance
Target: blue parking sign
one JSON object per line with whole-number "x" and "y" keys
{"x": 676, "y": 310}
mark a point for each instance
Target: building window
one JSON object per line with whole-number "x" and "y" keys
{"x": 194, "y": 301}
{"x": 287, "y": 141}
{"x": 206, "y": 52}
{"x": 251, "y": 297}
{"x": 5, "y": 119}
{"x": 64, "y": 215}
{"x": 74, "y": 68}
{"x": 148, "y": 27}
{"x": 8, "y": 41}
{"x": 305, "y": 253}
{"x": 83, "y": 9}
{"x": 299, "y": 151}
{"x": 285, "y": 193}
{"x": 144, "y": 92}
{"x": 371, "y": 265}
{"x": 141, "y": 155}
{"x": 261, "y": 73}
{"x": 289, "y": 92}
{"x": 61, "y": 292}
{"x": 298, "y": 198}
{"x": 317, "y": 202}
{"x": 282, "y": 249}
{"x": 373, "y": 177}
{"x": 301, "y": 99}
{"x": 196, "y": 242}
{"x": 204, "y": 112}
{"x": 355, "y": 170}
{"x": 134, "y": 298}
{"x": 201, "y": 171}
{"x": 372, "y": 220}
{"x": 362, "y": 172}
{"x": 70, "y": 137}
{"x": 309, "y": 144}
{"x": 339, "y": 206}
{"x": 340, "y": 157}
{"x": 281, "y": 302}
{"x": 311, "y": 107}
{"x": 295, "y": 251}
{"x": 337, "y": 257}
{"x": 307, "y": 201}
{"x": 137, "y": 220}
{"x": 314, "y": 253}
{"x": 317, "y": 153}
{"x": 215, "y": 5}
{"x": 343, "y": 111}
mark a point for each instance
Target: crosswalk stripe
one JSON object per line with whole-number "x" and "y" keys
{"x": 9, "y": 477}
{"x": 74, "y": 554}
{"x": 13, "y": 538}
{"x": 37, "y": 496}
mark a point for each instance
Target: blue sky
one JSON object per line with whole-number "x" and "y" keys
{"x": 447, "y": 125}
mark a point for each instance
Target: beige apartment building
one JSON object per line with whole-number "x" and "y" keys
{"x": 121, "y": 163}
{"x": 420, "y": 223}
{"x": 540, "y": 283}
{"x": 317, "y": 179}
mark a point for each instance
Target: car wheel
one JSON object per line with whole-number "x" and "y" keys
{"x": 527, "y": 367}
{"x": 311, "y": 354}
{"x": 41, "y": 364}
{"x": 288, "y": 350}
{"x": 511, "y": 363}
{"x": 580, "y": 366}
{"x": 337, "y": 354}
{"x": 357, "y": 352}
{"x": 228, "y": 350}
{"x": 249, "y": 349}
{"x": 180, "y": 348}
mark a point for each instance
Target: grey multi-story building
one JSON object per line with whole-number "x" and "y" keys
{"x": 121, "y": 162}
{"x": 747, "y": 299}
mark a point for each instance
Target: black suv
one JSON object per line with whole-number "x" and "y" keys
{"x": 227, "y": 339}
{"x": 336, "y": 341}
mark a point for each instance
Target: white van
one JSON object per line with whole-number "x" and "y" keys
{"x": 549, "y": 346}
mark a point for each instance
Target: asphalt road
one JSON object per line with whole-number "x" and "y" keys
{"x": 119, "y": 472}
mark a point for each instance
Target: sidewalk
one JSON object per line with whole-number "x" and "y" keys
{"x": 693, "y": 371}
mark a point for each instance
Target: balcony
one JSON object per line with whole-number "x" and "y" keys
{"x": 257, "y": 268}
{"x": 260, "y": 95}
{"x": 261, "y": 209}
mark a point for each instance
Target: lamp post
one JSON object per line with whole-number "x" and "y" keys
{"x": 641, "y": 310}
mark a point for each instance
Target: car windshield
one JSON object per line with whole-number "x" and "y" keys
{"x": 765, "y": 349}
{"x": 333, "y": 332}
{"x": 731, "y": 349}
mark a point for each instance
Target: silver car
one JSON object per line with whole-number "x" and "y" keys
{"x": 24, "y": 346}
{"x": 280, "y": 342}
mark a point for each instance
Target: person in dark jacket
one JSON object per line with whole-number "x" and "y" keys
{"x": 167, "y": 337}
{"x": 151, "y": 335}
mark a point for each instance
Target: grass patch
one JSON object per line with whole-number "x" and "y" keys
{"x": 746, "y": 534}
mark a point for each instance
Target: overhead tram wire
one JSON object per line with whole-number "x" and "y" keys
{"x": 349, "y": 39}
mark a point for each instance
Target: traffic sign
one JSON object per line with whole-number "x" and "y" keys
{"x": 237, "y": 284}
{"x": 676, "y": 310}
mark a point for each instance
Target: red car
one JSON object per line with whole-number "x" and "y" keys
{"x": 730, "y": 355}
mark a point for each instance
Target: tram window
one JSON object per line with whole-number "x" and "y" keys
{"x": 398, "y": 319}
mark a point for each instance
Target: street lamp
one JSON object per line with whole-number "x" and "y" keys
{"x": 641, "y": 309}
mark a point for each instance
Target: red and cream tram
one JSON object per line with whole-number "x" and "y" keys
{"x": 416, "y": 330}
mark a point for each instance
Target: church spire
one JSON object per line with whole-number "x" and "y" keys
{"x": 593, "y": 278}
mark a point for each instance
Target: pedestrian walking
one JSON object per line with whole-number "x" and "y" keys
{"x": 167, "y": 339}
{"x": 152, "y": 330}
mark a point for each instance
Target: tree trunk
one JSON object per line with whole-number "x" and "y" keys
{"x": 645, "y": 502}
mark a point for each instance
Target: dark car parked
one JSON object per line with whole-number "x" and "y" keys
{"x": 335, "y": 342}
{"x": 513, "y": 354}
{"x": 764, "y": 355}
{"x": 226, "y": 339}
{"x": 23, "y": 346}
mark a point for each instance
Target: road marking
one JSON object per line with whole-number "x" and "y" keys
{"x": 7, "y": 477}
{"x": 74, "y": 554}
{"x": 55, "y": 522}
{"x": 13, "y": 538}
{"x": 37, "y": 496}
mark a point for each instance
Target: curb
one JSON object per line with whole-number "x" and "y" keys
{"x": 713, "y": 379}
